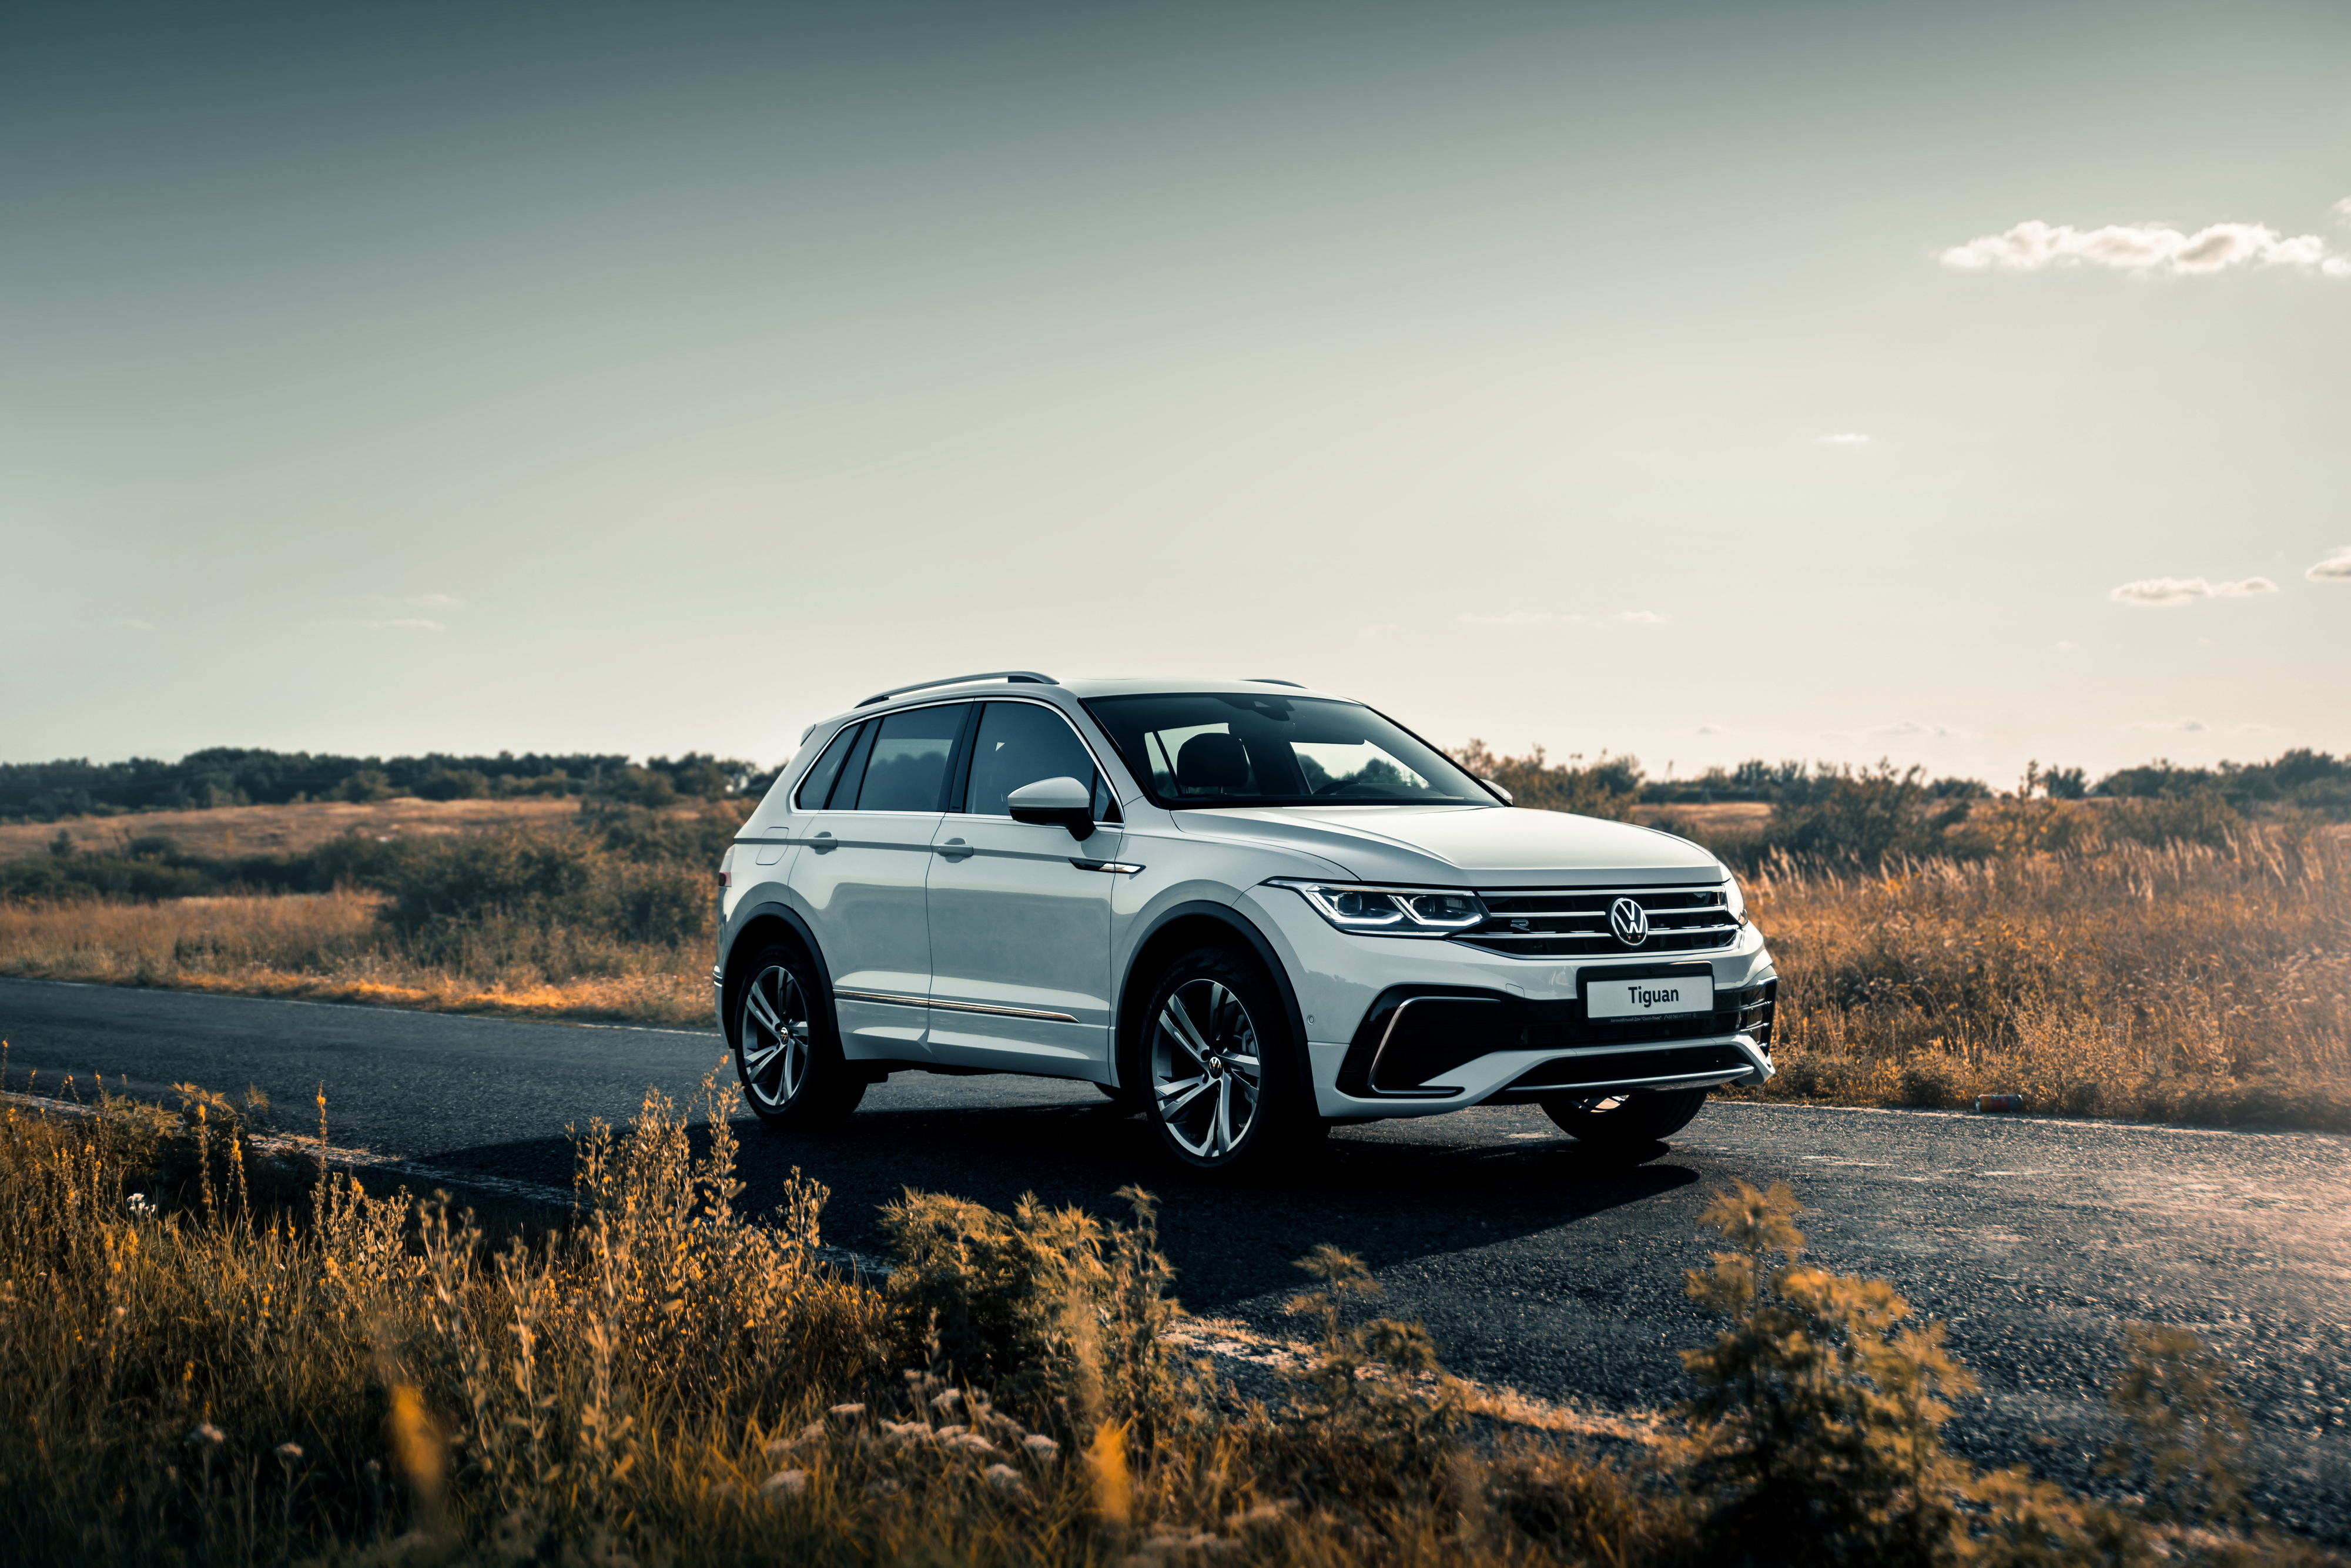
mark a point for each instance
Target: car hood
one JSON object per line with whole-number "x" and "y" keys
{"x": 1495, "y": 846}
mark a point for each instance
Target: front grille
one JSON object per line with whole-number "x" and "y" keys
{"x": 1573, "y": 923}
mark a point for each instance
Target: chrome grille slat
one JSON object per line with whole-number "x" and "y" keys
{"x": 1573, "y": 923}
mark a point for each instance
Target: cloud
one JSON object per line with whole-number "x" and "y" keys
{"x": 135, "y": 625}
{"x": 2069, "y": 647}
{"x": 1711, "y": 729}
{"x": 1641, "y": 617}
{"x": 416, "y": 601}
{"x": 2342, "y": 209}
{"x": 1843, "y": 438}
{"x": 2034, "y": 245}
{"x": 2163, "y": 590}
{"x": 2335, "y": 567}
{"x": 1518, "y": 618}
{"x": 2184, "y": 726}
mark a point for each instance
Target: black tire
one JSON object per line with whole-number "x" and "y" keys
{"x": 785, "y": 1055}
{"x": 1125, "y": 1096}
{"x": 1217, "y": 1071}
{"x": 1644, "y": 1116}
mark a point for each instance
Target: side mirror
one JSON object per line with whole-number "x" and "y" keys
{"x": 1051, "y": 802}
{"x": 1498, "y": 789}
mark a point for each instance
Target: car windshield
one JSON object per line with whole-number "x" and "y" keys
{"x": 1242, "y": 748}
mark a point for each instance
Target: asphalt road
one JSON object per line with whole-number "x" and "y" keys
{"x": 1536, "y": 1265}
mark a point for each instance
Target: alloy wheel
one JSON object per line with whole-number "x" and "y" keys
{"x": 776, "y": 1037}
{"x": 1205, "y": 1073}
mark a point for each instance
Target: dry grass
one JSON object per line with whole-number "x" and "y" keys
{"x": 212, "y": 1357}
{"x": 227, "y": 832}
{"x": 2181, "y": 982}
{"x": 332, "y": 947}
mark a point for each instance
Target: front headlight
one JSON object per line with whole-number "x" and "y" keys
{"x": 1736, "y": 900}
{"x": 1388, "y": 911}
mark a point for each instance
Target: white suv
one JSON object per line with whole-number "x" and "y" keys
{"x": 1247, "y": 909}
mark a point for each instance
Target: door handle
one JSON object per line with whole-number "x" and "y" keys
{"x": 956, "y": 850}
{"x": 822, "y": 848}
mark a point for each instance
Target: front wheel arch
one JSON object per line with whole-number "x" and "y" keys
{"x": 1177, "y": 931}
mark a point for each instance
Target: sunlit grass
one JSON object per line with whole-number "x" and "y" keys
{"x": 2178, "y": 981}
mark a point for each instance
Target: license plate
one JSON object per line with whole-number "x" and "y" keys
{"x": 1658, "y": 995}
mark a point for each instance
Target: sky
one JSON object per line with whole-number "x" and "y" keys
{"x": 1960, "y": 385}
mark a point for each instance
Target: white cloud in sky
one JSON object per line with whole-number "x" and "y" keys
{"x": 1642, "y": 618}
{"x": 2183, "y": 725}
{"x": 2157, "y": 591}
{"x": 2342, "y": 209}
{"x": 1518, "y": 618}
{"x": 135, "y": 625}
{"x": 1847, "y": 438}
{"x": 2033, "y": 245}
{"x": 2335, "y": 567}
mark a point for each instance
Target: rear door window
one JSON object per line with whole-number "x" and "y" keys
{"x": 906, "y": 769}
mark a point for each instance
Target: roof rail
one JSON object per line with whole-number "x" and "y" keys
{"x": 1272, "y": 681}
{"x": 1017, "y": 677}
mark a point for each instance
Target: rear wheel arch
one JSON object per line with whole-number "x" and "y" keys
{"x": 1177, "y": 931}
{"x": 769, "y": 924}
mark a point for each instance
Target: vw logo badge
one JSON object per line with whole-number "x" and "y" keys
{"x": 1629, "y": 921}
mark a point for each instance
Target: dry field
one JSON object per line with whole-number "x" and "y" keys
{"x": 332, "y": 947}
{"x": 2182, "y": 982}
{"x": 225, "y": 832}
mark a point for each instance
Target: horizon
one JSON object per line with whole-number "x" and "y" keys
{"x": 1704, "y": 383}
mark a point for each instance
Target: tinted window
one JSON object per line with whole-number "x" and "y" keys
{"x": 908, "y": 769}
{"x": 852, "y": 773}
{"x": 1020, "y": 743}
{"x": 1241, "y": 748}
{"x": 820, "y": 779}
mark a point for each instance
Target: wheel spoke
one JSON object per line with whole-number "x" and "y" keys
{"x": 1184, "y": 1094}
{"x": 763, "y": 1010}
{"x": 1245, "y": 1063}
{"x": 1223, "y": 1137}
{"x": 1172, "y": 1019}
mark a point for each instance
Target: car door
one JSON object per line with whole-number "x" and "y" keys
{"x": 864, "y": 873}
{"x": 1019, "y": 926}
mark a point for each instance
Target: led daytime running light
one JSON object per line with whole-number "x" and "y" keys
{"x": 1396, "y": 911}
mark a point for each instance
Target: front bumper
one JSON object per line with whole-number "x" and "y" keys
{"x": 1464, "y": 1026}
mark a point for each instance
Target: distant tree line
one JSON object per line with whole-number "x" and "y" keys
{"x": 2301, "y": 778}
{"x": 236, "y": 775}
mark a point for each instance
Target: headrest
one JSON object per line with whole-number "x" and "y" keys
{"x": 1212, "y": 762}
